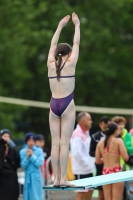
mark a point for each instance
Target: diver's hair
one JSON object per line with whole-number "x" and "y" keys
{"x": 105, "y": 119}
{"x": 61, "y": 50}
{"x": 118, "y": 119}
{"x": 111, "y": 128}
{"x": 80, "y": 116}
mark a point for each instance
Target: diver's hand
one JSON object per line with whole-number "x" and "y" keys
{"x": 64, "y": 21}
{"x": 75, "y": 19}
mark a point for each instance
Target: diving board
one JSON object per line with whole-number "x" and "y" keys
{"x": 50, "y": 187}
{"x": 92, "y": 182}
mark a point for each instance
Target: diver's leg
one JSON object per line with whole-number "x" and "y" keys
{"x": 54, "y": 121}
{"x": 67, "y": 126}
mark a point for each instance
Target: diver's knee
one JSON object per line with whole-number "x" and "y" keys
{"x": 56, "y": 143}
{"x": 64, "y": 142}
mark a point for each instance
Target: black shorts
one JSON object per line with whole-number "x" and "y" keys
{"x": 81, "y": 176}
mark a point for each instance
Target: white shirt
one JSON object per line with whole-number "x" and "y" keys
{"x": 82, "y": 162}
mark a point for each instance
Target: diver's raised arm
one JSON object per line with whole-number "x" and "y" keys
{"x": 76, "y": 40}
{"x": 55, "y": 38}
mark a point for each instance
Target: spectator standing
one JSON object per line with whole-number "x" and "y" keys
{"x": 47, "y": 173}
{"x": 108, "y": 152}
{"x": 96, "y": 137}
{"x": 9, "y": 163}
{"x": 31, "y": 161}
{"x": 7, "y": 135}
{"x": 128, "y": 142}
{"x": 40, "y": 141}
{"x": 82, "y": 162}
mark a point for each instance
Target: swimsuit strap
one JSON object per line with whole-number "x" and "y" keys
{"x": 51, "y": 77}
{"x": 108, "y": 149}
{"x": 62, "y": 65}
{"x": 67, "y": 76}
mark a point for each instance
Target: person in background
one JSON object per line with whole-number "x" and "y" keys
{"x": 7, "y": 135}
{"x": 82, "y": 163}
{"x": 9, "y": 163}
{"x": 31, "y": 160}
{"x": 131, "y": 131}
{"x": 40, "y": 141}
{"x": 108, "y": 152}
{"x": 46, "y": 169}
{"x": 128, "y": 142}
{"x": 96, "y": 137}
{"x": 125, "y": 135}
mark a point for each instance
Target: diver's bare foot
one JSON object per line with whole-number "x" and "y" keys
{"x": 66, "y": 183}
{"x": 56, "y": 183}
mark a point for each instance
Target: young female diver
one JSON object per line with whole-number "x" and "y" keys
{"x": 61, "y": 73}
{"x": 108, "y": 151}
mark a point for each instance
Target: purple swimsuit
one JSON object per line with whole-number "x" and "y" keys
{"x": 58, "y": 106}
